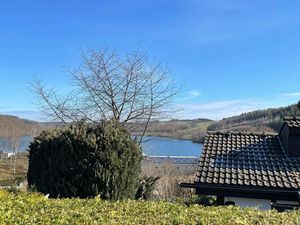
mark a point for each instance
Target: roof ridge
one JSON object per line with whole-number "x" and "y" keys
{"x": 291, "y": 117}
{"x": 243, "y": 133}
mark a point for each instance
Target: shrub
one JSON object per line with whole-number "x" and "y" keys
{"x": 200, "y": 200}
{"x": 24, "y": 208}
{"x": 146, "y": 187}
{"x": 85, "y": 160}
{"x": 170, "y": 175}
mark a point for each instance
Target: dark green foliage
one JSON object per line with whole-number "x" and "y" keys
{"x": 298, "y": 105}
{"x": 84, "y": 161}
{"x": 201, "y": 200}
{"x": 146, "y": 187}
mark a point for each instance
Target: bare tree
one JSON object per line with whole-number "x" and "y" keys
{"x": 109, "y": 85}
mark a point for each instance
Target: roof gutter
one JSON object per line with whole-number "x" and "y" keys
{"x": 244, "y": 192}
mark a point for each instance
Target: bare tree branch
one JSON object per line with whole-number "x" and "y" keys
{"x": 108, "y": 85}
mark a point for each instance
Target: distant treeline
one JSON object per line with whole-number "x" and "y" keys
{"x": 12, "y": 126}
{"x": 259, "y": 120}
{"x": 181, "y": 129}
{"x": 268, "y": 120}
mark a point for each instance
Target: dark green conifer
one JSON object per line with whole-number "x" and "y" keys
{"x": 85, "y": 160}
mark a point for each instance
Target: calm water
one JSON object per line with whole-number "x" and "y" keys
{"x": 161, "y": 146}
{"x": 6, "y": 145}
{"x": 152, "y": 146}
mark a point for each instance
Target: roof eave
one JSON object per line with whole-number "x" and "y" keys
{"x": 244, "y": 192}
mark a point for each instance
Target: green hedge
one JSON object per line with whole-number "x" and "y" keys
{"x": 26, "y": 208}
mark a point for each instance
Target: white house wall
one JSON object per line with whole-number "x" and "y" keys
{"x": 262, "y": 204}
{"x": 287, "y": 202}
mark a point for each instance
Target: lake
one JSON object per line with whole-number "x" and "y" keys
{"x": 6, "y": 145}
{"x": 162, "y": 146}
{"x": 152, "y": 146}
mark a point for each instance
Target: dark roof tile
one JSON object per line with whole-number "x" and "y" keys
{"x": 247, "y": 159}
{"x": 292, "y": 121}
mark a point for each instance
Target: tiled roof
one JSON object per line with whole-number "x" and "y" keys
{"x": 292, "y": 121}
{"x": 247, "y": 159}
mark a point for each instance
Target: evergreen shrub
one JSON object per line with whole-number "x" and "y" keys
{"x": 85, "y": 160}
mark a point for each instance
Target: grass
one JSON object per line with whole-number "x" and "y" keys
{"x": 7, "y": 175}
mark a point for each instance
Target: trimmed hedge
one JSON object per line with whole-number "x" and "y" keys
{"x": 26, "y": 208}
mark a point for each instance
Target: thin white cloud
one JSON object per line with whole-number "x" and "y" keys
{"x": 218, "y": 110}
{"x": 194, "y": 93}
{"x": 290, "y": 95}
{"x": 191, "y": 94}
{"x": 221, "y": 109}
{"x": 215, "y": 105}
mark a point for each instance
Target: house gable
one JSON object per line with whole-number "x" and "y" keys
{"x": 290, "y": 136}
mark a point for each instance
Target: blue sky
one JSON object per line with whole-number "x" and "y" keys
{"x": 232, "y": 56}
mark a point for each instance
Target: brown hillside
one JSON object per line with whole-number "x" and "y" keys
{"x": 14, "y": 126}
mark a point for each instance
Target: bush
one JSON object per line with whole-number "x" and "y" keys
{"x": 170, "y": 175}
{"x": 85, "y": 160}
{"x": 24, "y": 208}
{"x": 146, "y": 187}
{"x": 200, "y": 200}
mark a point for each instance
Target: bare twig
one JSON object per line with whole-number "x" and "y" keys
{"x": 108, "y": 85}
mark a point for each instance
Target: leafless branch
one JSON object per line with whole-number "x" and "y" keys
{"x": 109, "y": 85}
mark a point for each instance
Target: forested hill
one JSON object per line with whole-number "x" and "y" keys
{"x": 14, "y": 126}
{"x": 267, "y": 120}
{"x": 181, "y": 129}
